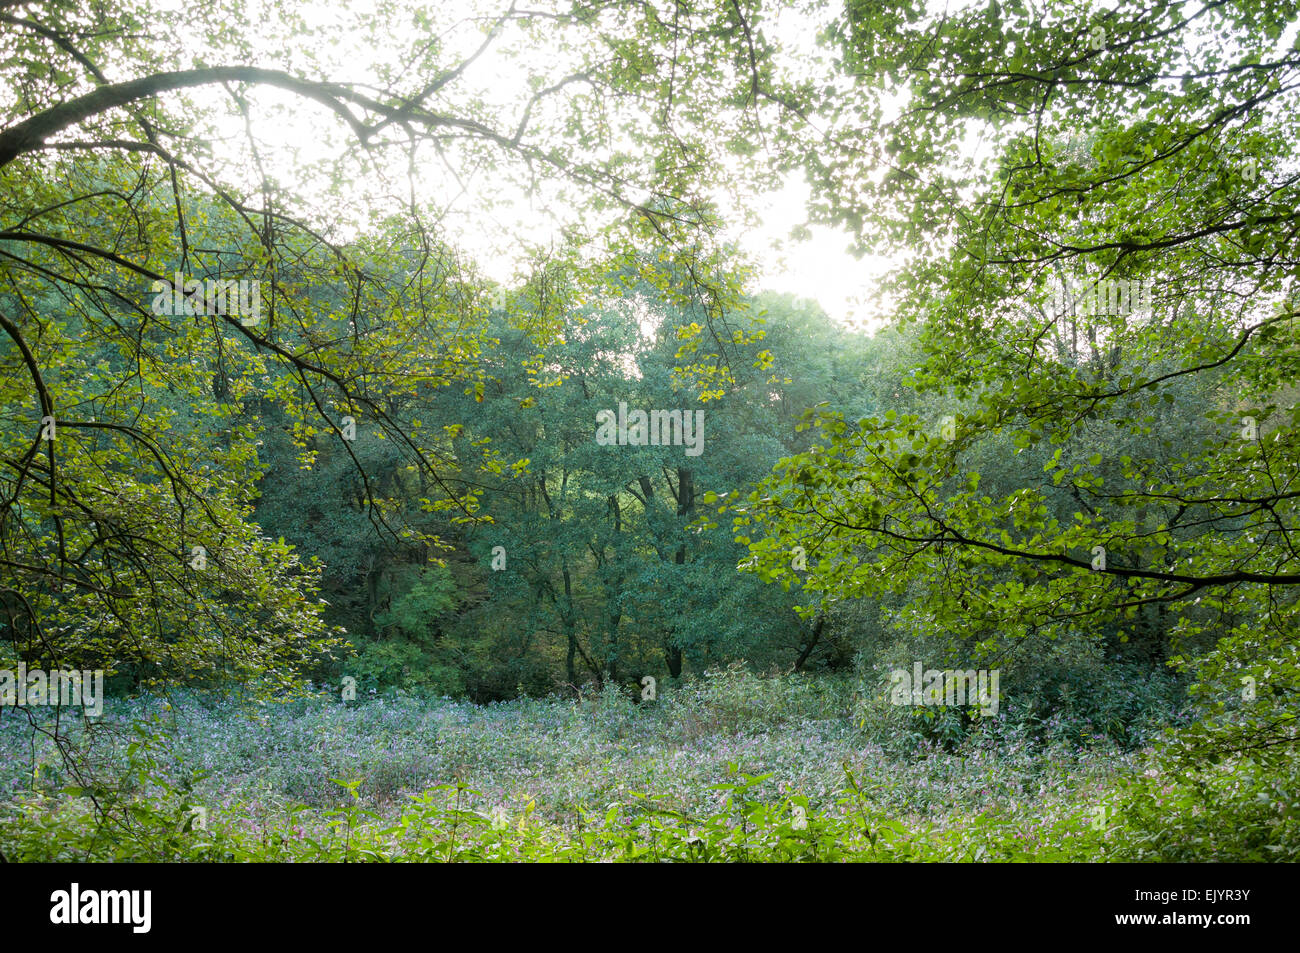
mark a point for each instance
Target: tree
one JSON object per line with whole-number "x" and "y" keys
{"x": 1148, "y": 144}
{"x": 121, "y": 194}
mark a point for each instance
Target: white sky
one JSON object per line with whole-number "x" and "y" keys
{"x": 490, "y": 218}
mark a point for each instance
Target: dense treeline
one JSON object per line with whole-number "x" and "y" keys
{"x": 600, "y": 573}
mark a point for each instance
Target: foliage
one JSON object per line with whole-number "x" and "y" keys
{"x": 476, "y": 794}
{"x": 1070, "y": 458}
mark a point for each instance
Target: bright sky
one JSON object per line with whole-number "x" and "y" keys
{"x": 488, "y": 217}
{"x": 818, "y": 267}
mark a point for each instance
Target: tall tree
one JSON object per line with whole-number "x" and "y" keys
{"x": 1108, "y": 293}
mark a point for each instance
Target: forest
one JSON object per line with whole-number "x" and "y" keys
{"x": 416, "y": 443}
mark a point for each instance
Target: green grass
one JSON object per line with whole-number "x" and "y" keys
{"x": 732, "y": 767}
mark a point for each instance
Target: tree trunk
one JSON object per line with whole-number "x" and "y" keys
{"x": 685, "y": 506}
{"x": 812, "y": 642}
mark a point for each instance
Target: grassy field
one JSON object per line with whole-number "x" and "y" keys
{"x": 729, "y": 767}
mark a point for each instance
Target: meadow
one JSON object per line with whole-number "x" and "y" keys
{"x": 732, "y": 766}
